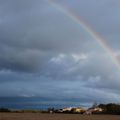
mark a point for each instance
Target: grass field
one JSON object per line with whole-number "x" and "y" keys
{"x": 38, "y": 116}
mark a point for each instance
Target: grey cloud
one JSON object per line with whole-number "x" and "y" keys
{"x": 30, "y": 38}
{"x": 45, "y": 53}
{"x": 102, "y": 17}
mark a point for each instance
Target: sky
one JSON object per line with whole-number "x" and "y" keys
{"x": 44, "y": 53}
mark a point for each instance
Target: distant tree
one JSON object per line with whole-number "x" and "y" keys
{"x": 94, "y": 105}
{"x": 4, "y": 110}
{"x": 51, "y": 110}
{"x": 110, "y": 108}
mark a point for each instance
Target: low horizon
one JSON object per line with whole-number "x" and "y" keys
{"x": 39, "y": 103}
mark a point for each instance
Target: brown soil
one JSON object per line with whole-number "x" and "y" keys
{"x": 38, "y": 116}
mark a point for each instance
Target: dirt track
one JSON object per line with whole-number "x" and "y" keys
{"x": 38, "y": 116}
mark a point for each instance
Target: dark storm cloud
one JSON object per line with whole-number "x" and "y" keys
{"x": 45, "y": 53}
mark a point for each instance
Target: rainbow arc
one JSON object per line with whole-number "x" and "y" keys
{"x": 88, "y": 29}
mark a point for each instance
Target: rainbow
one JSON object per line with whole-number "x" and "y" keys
{"x": 88, "y": 29}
